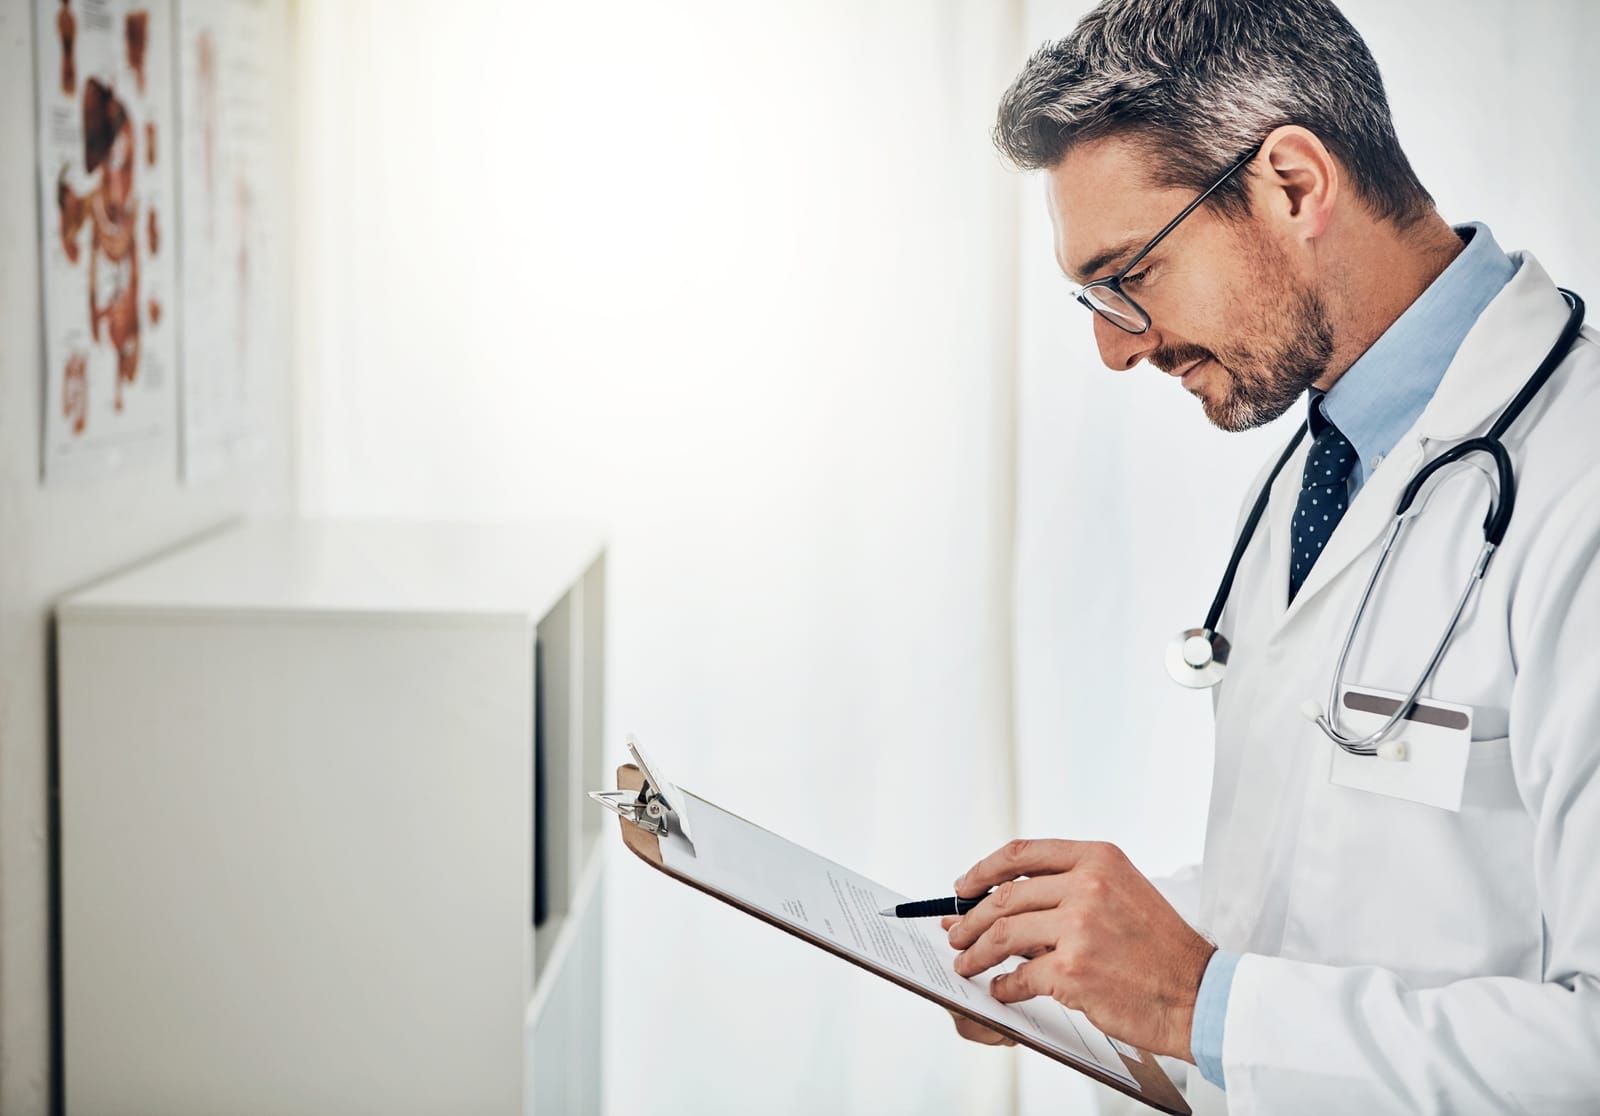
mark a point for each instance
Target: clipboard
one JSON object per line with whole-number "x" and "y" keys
{"x": 647, "y": 814}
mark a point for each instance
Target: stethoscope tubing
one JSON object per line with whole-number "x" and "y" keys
{"x": 1225, "y": 589}
{"x": 1502, "y": 503}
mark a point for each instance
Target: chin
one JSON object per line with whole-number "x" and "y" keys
{"x": 1227, "y": 413}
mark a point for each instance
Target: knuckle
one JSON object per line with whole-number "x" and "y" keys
{"x": 1064, "y": 964}
{"x": 1000, "y": 932}
{"x": 1016, "y": 850}
{"x": 1002, "y": 895}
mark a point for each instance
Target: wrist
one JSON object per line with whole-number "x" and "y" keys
{"x": 1191, "y": 976}
{"x": 1211, "y": 1016}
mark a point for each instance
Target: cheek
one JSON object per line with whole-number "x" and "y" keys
{"x": 1200, "y": 315}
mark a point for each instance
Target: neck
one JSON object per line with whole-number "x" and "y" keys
{"x": 1387, "y": 269}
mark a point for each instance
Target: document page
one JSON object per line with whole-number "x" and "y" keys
{"x": 806, "y": 891}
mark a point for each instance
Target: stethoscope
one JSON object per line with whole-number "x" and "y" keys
{"x": 1198, "y": 657}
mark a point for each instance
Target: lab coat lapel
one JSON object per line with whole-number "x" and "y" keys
{"x": 1510, "y": 338}
{"x": 1503, "y": 348}
{"x": 1280, "y": 517}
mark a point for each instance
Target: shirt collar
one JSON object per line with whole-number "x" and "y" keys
{"x": 1385, "y": 391}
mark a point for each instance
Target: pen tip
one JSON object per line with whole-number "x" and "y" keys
{"x": 887, "y": 912}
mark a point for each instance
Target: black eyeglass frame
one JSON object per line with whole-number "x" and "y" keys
{"x": 1113, "y": 283}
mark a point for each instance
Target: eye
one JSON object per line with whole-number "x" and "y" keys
{"x": 1136, "y": 277}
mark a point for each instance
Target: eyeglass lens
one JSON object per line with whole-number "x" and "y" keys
{"x": 1114, "y": 306}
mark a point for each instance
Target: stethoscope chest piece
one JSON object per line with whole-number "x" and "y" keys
{"x": 1197, "y": 658}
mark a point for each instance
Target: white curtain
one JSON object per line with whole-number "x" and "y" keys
{"x": 738, "y": 279}
{"x": 1127, "y": 498}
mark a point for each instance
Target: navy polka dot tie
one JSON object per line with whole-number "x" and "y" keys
{"x": 1324, "y": 493}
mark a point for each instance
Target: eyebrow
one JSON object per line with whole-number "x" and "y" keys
{"x": 1091, "y": 267}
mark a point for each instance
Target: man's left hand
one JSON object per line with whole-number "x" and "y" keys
{"x": 1099, "y": 937}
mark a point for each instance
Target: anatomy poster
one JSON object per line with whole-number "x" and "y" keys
{"x": 106, "y": 181}
{"x": 223, "y": 112}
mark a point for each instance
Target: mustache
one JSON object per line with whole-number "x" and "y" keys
{"x": 1168, "y": 360}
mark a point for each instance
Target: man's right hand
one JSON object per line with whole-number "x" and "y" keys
{"x": 971, "y": 1029}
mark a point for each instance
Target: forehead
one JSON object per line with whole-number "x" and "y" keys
{"x": 1100, "y": 199}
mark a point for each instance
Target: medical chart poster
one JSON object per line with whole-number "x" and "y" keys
{"x": 223, "y": 114}
{"x": 104, "y": 94}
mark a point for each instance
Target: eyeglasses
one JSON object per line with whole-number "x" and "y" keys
{"x": 1106, "y": 296}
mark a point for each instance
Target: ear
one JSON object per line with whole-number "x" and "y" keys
{"x": 1297, "y": 182}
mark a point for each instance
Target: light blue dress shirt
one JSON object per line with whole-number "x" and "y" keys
{"x": 1376, "y": 401}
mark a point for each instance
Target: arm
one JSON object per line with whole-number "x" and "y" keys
{"x": 1487, "y": 1044}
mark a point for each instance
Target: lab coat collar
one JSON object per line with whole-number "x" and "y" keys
{"x": 1510, "y": 338}
{"x": 1500, "y": 352}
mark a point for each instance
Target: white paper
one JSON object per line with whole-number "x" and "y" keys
{"x": 799, "y": 888}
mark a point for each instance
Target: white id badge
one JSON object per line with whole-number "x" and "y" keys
{"x": 1430, "y": 763}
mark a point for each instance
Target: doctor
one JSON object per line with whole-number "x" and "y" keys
{"x": 1406, "y": 933}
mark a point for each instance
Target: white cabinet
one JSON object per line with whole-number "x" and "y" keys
{"x": 318, "y": 782}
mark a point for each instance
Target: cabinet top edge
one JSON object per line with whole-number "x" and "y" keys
{"x": 364, "y": 570}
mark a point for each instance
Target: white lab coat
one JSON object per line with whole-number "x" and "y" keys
{"x": 1400, "y": 957}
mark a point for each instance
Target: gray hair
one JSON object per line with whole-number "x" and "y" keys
{"x": 1201, "y": 82}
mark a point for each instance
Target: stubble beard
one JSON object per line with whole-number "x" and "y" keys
{"x": 1263, "y": 384}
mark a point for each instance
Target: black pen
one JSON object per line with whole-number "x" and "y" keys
{"x": 933, "y": 908}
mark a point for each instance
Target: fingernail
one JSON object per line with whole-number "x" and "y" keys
{"x": 960, "y": 880}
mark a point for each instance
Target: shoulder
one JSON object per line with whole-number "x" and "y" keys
{"x": 1558, "y": 437}
{"x": 1555, "y": 445}
{"x": 1555, "y": 451}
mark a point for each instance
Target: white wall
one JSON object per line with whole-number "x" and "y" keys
{"x": 1121, "y": 539}
{"x": 736, "y": 278}
{"x": 55, "y": 540}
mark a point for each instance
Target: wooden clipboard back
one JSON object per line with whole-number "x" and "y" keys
{"x": 1156, "y": 1088}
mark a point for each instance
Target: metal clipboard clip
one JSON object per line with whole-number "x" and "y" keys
{"x": 655, "y": 807}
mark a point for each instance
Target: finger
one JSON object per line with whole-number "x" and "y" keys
{"x": 1019, "y": 935}
{"x": 1027, "y": 980}
{"x": 948, "y": 921}
{"x": 1024, "y": 858}
{"x": 974, "y": 1031}
{"x": 1039, "y": 893}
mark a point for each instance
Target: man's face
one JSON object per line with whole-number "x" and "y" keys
{"x": 1227, "y": 311}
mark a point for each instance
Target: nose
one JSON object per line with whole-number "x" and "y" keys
{"x": 1119, "y": 349}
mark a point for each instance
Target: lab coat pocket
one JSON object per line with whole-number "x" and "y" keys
{"x": 1459, "y": 881}
{"x": 1423, "y": 758}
